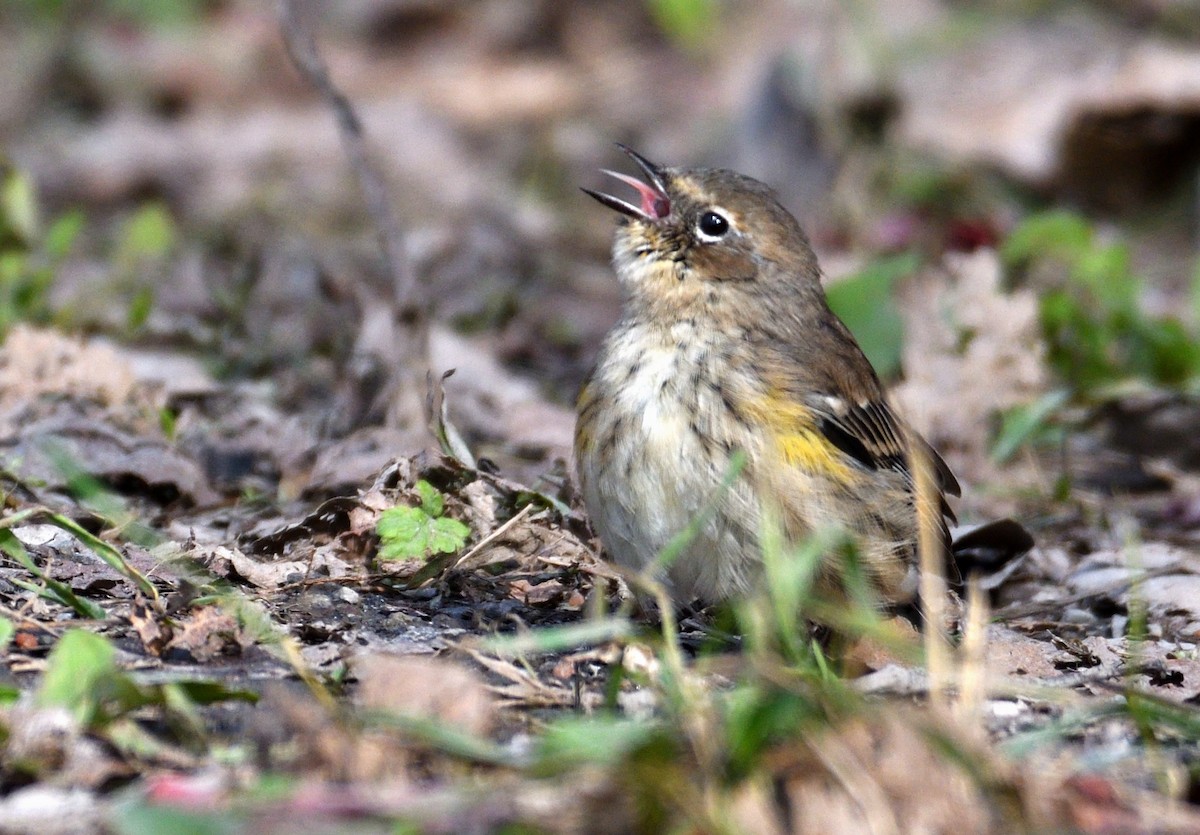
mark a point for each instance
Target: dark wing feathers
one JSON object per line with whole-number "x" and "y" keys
{"x": 848, "y": 442}
{"x": 871, "y": 433}
{"x": 874, "y": 424}
{"x": 849, "y": 405}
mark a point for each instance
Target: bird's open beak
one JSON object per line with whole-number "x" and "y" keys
{"x": 656, "y": 205}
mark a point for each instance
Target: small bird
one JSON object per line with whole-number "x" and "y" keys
{"x": 727, "y": 347}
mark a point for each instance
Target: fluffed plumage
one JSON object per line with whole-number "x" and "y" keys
{"x": 726, "y": 344}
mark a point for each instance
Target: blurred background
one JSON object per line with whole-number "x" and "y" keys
{"x": 1004, "y": 196}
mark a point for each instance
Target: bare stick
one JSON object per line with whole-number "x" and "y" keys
{"x": 302, "y": 49}
{"x": 401, "y": 341}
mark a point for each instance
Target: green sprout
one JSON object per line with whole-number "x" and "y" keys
{"x": 422, "y": 531}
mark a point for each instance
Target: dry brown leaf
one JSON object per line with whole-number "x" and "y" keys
{"x": 114, "y": 455}
{"x": 867, "y": 654}
{"x": 37, "y": 362}
{"x": 524, "y": 687}
{"x": 270, "y": 575}
{"x": 150, "y": 627}
{"x": 954, "y": 387}
{"x": 487, "y": 398}
{"x": 208, "y": 633}
{"x": 426, "y": 688}
{"x": 541, "y": 594}
{"x": 874, "y": 775}
{"x": 328, "y": 746}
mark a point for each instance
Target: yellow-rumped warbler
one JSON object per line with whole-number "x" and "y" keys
{"x": 726, "y": 344}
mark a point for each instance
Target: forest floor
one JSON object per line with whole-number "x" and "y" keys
{"x": 267, "y": 567}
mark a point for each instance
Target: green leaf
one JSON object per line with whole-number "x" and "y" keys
{"x": 403, "y": 533}
{"x": 598, "y": 740}
{"x": 209, "y": 692}
{"x": 19, "y": 211}
{"x": 408, "y": 532}
{"x": 1020, "y": 425}
{"x": 63, "y": 232}
{"x": 150, "y": 233}
{"x": 168, "y": 422}
{"x": 866, "y": 304}
{"x": 53, "y": 589}
{"x": 538, "y": 499}
{"x": 106, "y": 552}
{"x": 29, "y": 294}
{"x": 8, "y": 631}
{"x": 1195, "y": 291}
{"x": 1170, "y": 353}
{"x": 1107, "y": 272}
{"x": 75, "y": 671}
{"x": 1057, "y": 233}
{"x": 83, "y": 677}
{"x": 447, "y": 535}
{"x": 759, "y": 718}
{"x": 139, "y": 308}
{"x": 141, "y": 817}
{"x": 432, "y": 501}
{"x": 687, "y": 22}
{"x": 558, "y": 638}
{"x": 158, "y": 13}
{"x": 1097, "y": 334}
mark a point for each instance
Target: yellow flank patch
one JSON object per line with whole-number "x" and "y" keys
{"x": 810, "y": 450}
{"x": 798, "y": 440}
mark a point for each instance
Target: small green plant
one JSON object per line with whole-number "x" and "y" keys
{"x": 865, "y": 302}
{"x": 1031, "y": 423}
{"x": 31, "y": 250}
{"x": 1099, "y": 339}
{"x": 83, "y": 677}
{"x": 1097, "y": 333}
{"x": 146, "y": 239}
{"x": 8, "y": 631}
{"x": 705, "y": 745}
{"x": 56, "y": 590}
{"x": 689, "y": 23}
{"x": 151, "y": 13}
{"x": 422, "y": 531}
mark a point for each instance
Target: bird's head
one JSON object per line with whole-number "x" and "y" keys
{"x": 705, "y": 233}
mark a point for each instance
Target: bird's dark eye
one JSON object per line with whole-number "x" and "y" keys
{"x": 713, "y": 225}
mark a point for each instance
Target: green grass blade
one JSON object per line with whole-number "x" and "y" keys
{"x": 53, "y": 589}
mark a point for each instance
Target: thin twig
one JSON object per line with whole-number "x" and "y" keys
{"x": 302, "y": 49}
{"x": 393, "y": 338}
{"x": 490, "y": 538}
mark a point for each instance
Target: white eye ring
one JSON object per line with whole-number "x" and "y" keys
{"x": 712, "y": 225}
